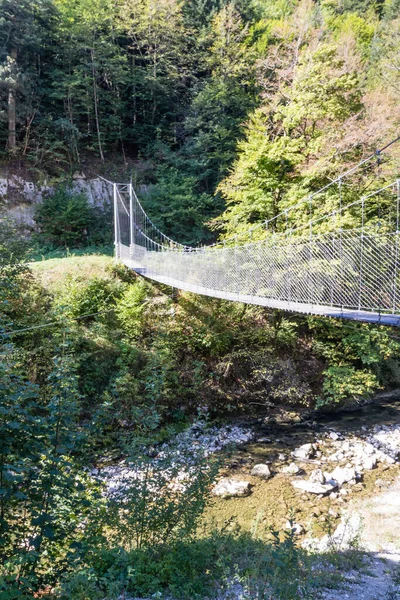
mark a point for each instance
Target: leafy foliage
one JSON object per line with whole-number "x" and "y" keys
{"x": 65, "y": 218}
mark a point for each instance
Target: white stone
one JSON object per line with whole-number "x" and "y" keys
{"x": 305, "y": 451}
{"x": 317, "y": 476}
{"x": 343, "y": 537}
{"x": 231, "y": 488}
{"x": 344, "y": 475}
{"x": 385, "y": 458}
{"x": 261, "y": 470}
{"x": 369, "y": 463}
{"x": 311, "y": 487}
{"x": 291, "y": 469}
{"x": 295, "y": 527}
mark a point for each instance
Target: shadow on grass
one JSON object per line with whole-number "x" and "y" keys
{"x": 220, "y": 566}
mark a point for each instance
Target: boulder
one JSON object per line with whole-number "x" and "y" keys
{"x": 317, "y": 476}
{"x": 313, "y": 488}
{"x": 344, "y": 474}
{"x": 231, "y": 488}
{"x": 343, "y": 538}
{"x": 305, "y": 451}
{"x": 291, "y": 469}
{"x": 385, "y": 458}
{"x": 369, "y": 463}
{"x": 261, "y": 470}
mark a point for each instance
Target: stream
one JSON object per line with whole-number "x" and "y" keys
{"x": 365, "y": 441}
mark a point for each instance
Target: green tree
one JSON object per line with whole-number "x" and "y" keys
{"x": 224, "y": 99}
{"x": 64, "y": 218}
{"x": 179, "y": 208}
{"x": 90, "y": 75}
{"x": 289, "y": 141}
{"x": 160, "y": 68}
{"x": 26, "y": 28}
{"x": 44, "y": 496}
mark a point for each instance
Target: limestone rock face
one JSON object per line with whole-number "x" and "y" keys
{"x": 20, "y": 197}
{"x": 231, "y": 488}
{"x": 261, "y": 470}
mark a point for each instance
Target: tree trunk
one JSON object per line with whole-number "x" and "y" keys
{"x": 96, "y": 107}
{"x": 12, "y": 120}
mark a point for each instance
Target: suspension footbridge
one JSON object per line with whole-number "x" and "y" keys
{"x": 323, "y": 256}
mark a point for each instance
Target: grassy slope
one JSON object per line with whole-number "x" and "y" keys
{"x": 53, "y": 271}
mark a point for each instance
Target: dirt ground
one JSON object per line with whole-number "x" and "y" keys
{"x": 378, "y": 519}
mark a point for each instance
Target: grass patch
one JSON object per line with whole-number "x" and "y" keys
{"x": 43, "y": 254}
{"x": 52, "y": 272}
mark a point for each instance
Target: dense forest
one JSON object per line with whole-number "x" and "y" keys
{"x": 223, "y": 114}
{"x": 245, "y": 105}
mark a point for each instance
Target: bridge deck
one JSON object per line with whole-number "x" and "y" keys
{"x": 314, "y": 309}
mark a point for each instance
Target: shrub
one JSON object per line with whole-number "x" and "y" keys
{"x": 344, "y": 382}
{"x": 131, "y": 306}
{"x": 160, "y": 500}
{"x": 65, "y": 218}
{"x": 78, "y": 298}
{"x": 219, "y": 565}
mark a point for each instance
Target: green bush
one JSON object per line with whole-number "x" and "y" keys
{"x": 130, "y": 308}
{"x": 344, "y": 382}
{"x": 207, "y": 567}
{"x": 162, "y": 498}
{"x": 79, "y": 297}
{"x": 66, "y": 219}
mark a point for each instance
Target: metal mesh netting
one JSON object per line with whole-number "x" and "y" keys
{"x": 351, "y": 273}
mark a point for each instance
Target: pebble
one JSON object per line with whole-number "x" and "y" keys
{"x": 353, "y": 453}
